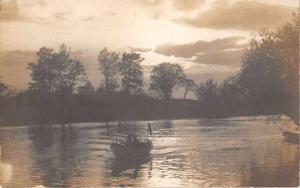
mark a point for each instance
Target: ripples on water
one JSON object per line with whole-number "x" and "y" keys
{"x": 185, "y": 153}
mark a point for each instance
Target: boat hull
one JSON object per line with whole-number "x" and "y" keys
{"x": 137, "y": 150}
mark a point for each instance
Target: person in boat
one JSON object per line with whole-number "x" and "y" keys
{"x": 128, "y": 140}
{"x": 135, "y": 139}
{"x": 132, "y": 139}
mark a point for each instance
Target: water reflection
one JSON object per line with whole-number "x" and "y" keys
{"x": 59, "y": 154}
{"x": 119, "y": 166}
{"x": 185, "y": 153}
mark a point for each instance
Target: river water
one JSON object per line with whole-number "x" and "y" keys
{"x": 185, "y": 153}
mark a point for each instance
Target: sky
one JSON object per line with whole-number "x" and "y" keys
{"x": 206, "y": 37}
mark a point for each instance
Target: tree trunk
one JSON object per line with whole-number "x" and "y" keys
{"x": 185, "y": 94}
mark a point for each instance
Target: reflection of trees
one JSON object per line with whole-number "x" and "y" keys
{"x": 214, "y": 123}
{"x": 56, "y": 149}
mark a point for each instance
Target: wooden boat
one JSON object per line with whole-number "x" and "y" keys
{"x": 120, "y": 165}
{"x": 132, "y": 148}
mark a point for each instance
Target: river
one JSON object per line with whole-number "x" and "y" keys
{"x": 185, "y": 153}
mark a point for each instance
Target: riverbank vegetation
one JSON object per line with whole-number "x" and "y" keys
{"x": 268, "y": 83}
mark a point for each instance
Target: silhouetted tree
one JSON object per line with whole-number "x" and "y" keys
{"x": 100, "y": 91}
{"x": 56, "y": 72}
{"x": 165, "y": 77}
{"x": 3, "y": 90}
{"x": 270, "y": 69}
{"x": 86, "y": 89}
{"x": 188, "y": 85}
{"x": 131, "y": 72}
{"x": 4, "y": 93}
{"x": 7, "y": 108}
{"x": 232, "y": 97}
{"x": 208, "y": 96}
{"x": 109, "y": 66}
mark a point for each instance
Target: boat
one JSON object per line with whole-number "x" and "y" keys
{"x": 132, "y": 147}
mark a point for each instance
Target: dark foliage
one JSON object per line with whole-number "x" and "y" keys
{"x": 109, "y": 67}
{"x": 165, "y": 77}
{"x": 131, "y": 72}
{"x": 56, "y": 72}
{"x": 268, "y": 82}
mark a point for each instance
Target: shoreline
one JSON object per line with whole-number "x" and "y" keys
{"x": 233, "y": 118}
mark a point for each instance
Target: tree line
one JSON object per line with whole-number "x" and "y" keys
{"x": 59, "y": 91}
{"x": 268, "y": 82}
{"x": 59, "y": 73}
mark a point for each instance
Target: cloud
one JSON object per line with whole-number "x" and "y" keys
{"x": 216, "y": 75}
{"x": 187, "y": 5}
{"x": 183, "y": 5}
{"x": 92, "y": 19}
{"x": 193, "y": 49}
{"x": 166, "y": 9}
{"x": 139, "y": 50}
{"x": 202, "y": 72}
{"x": 111, "y": 13}
{"x": 241, "y": 15}
{"x": 224, "y": 57}
{"x": 9, "y": 11}
{"x": 154, "y": 8}
{"x": 149, "y": 3}
{"x": 61, "y": 16}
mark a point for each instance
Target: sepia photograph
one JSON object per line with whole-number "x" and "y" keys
{"x": 149, "y": 93}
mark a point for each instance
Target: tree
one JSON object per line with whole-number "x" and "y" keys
{"x": 165, "y": 77}
{"x": 109, "y": 66}
{"x": 207, "y": 90}
{"x": 86, "y": 89}
{"x": 3, "y": 90}
{"x": 188, "y": 85}
{"x": 208, "y": 96}
{"x": 54, "y": 79}
{"x": 232, "y": 97}
{"x": 3, "y": 94}
{"x": 56, "y": 72}
{"x": 131, "y": 72}
{"x": 270, "y": 71}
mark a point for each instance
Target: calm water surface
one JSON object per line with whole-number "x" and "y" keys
{"x": 185, "y": 153}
